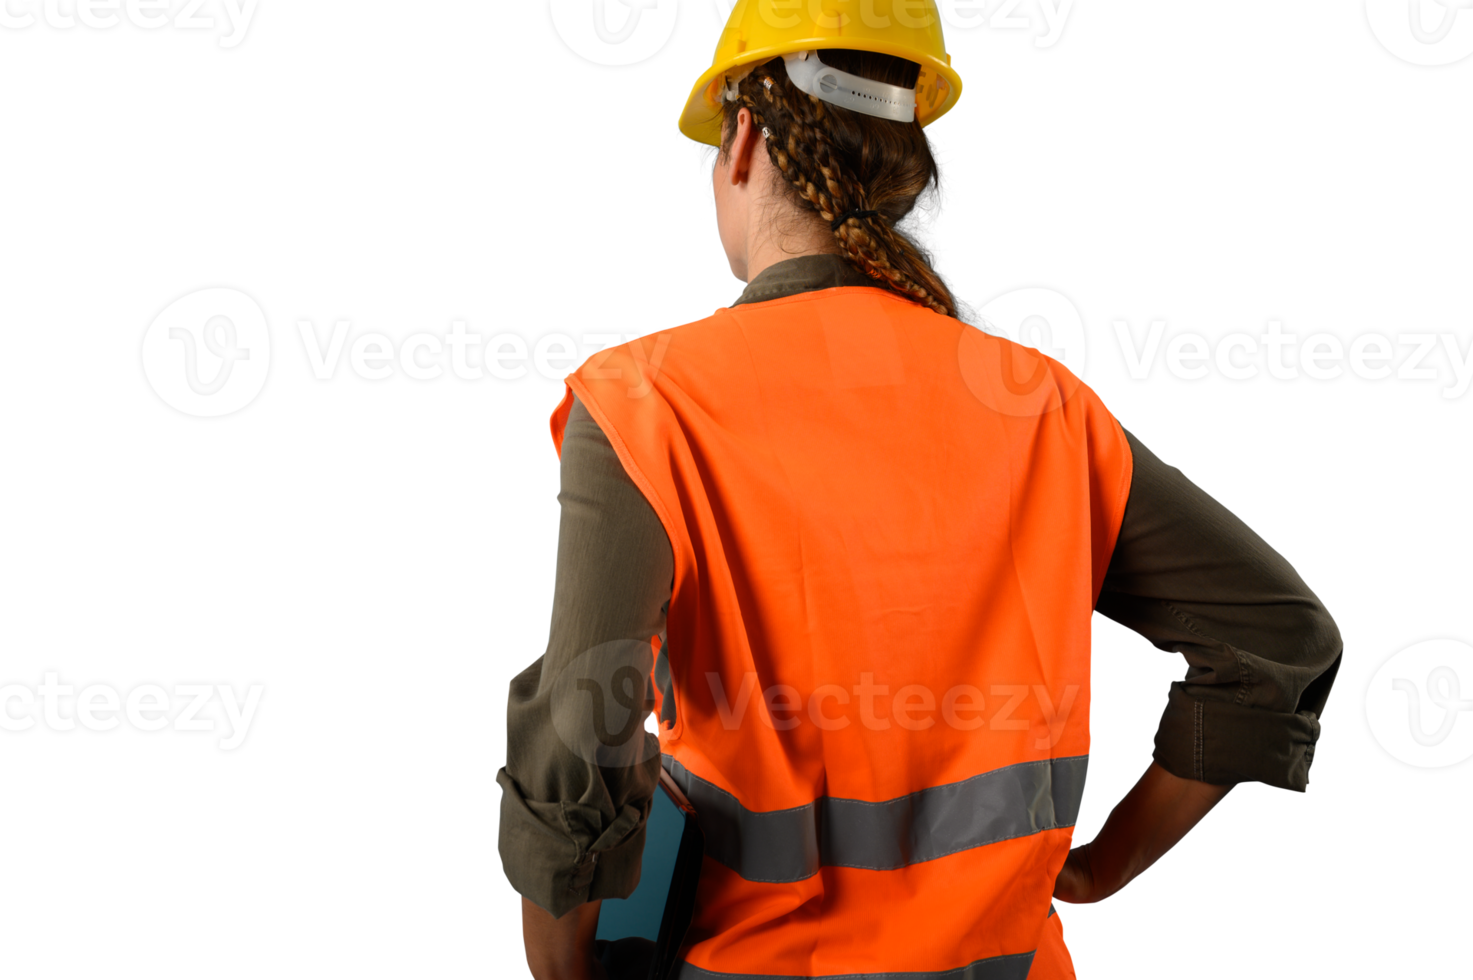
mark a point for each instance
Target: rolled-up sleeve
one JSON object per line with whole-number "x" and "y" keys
{"x": 575, "y": 798}
{"x": 1262, "y": 651}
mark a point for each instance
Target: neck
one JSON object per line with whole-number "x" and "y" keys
{"x": 765, "y": 248}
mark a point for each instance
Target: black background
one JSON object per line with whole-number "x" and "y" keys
{"x": 379, "y": 554}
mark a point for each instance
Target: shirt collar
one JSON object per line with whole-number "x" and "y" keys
{"x": 801, "y": 275}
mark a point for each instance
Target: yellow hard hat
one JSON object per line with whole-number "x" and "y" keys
{"x": 760, "y": 30}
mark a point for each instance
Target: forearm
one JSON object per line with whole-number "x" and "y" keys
{"x": 561, "y": 949}
{"x": 1153, "y": 817}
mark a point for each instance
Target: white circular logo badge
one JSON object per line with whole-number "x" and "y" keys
{"x": 1423, "y": 32}
{"x": 1420, "y": 704}
{"x": 600, "y": 704}
{"x": 208, "y": 353}
{"x": 615, "y": 32}
{"x": 1014, "y": 380}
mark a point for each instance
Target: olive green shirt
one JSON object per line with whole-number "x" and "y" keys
{"x": 1186, "y": 574}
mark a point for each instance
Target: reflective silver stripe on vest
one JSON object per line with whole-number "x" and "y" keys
{"x": 791, "y": 845}
{"x": 1014, "y": 967}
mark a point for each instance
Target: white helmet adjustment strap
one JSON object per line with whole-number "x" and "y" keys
{"x": 840, "y": 88}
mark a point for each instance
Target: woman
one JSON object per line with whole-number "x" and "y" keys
{"x": 861, "y": 543}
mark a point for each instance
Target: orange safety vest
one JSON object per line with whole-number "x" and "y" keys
{"x": 889, "y": 532}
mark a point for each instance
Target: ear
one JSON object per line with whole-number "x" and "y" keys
{"x": 743, "y": 145}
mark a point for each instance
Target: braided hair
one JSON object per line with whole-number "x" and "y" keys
{"x": 841, "y": 164}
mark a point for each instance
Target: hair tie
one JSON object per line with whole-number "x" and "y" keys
{"x": 851, "y": 214}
